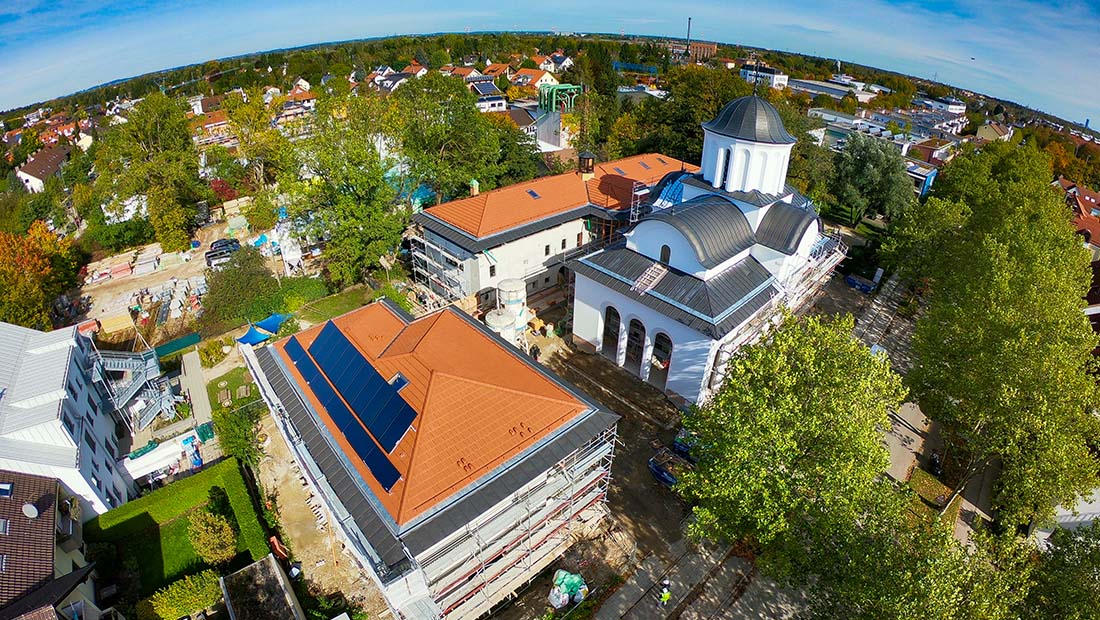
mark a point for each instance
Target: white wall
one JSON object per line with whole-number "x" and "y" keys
{"x": 648, "y": 236}
{"x": 526, "y": 258}
{"x": 691, "y": 351}
{"x": 33, "y": 184}
{"x": 751, "y": 165}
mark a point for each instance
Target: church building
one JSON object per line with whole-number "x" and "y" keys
{"x": 709, "y": 266}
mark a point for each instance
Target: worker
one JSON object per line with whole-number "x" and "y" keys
{"x": 665, "y": 596}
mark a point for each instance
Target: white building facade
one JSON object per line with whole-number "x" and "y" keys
{"x": 708, "y": 271}
{"x": 772, "y": 78}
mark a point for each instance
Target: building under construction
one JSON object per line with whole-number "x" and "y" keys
{"x": 454, "y": 467}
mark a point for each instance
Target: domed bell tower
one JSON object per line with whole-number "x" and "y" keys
{"x": 746, "y": 148}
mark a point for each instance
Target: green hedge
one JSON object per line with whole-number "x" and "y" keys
{"x": 179, "y": 498}
{"x": 182, "y": 597}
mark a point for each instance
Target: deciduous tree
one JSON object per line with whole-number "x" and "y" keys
{"x": 1004, "y": 352}
{"x": 1067, "y": 578}
{"x": 869, "y": 178}
{"x": 212, "y": 537}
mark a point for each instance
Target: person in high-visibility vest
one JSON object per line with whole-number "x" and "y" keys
{"x": 665, "y": 596}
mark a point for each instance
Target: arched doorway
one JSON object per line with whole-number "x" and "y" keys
{"x": 635, "y": 347}
{"x": 610, "y": 340}
{"x": 662, "y": 359}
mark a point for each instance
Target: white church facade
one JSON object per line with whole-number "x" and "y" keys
{"x": 718, "y": 255}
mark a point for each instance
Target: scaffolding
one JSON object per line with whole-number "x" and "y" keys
{"x": 502, "y": 550}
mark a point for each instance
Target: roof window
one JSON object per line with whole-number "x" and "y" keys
{"x": 532, "y": 193}
{"x": 398, "y": 381}
{"x": 619, "y": 170}
{"x": 643, "y": 165}
{"x": 661, "y": 159}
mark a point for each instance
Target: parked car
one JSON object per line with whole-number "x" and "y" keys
{"x": 221, "y": 244}
{"x": 667, "y": 466}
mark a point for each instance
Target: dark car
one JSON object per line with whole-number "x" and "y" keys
{"x": 222, "y": 244}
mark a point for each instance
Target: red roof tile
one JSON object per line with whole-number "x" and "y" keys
{"x": 479, "y": 403}
{"x": 508, "y": 207}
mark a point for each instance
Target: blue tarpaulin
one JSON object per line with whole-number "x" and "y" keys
{"x": 273, "y": 323}
{"x": 254, "y": 336}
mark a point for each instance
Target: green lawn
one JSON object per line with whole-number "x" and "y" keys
{"x": 233, "y": 379}
{"x": 153, "y": 529}
{"x": 334, "y": 305}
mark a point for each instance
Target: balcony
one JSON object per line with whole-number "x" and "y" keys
{"x": 70, "y": 531}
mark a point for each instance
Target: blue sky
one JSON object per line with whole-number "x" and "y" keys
{"x": 1041, "y": 54}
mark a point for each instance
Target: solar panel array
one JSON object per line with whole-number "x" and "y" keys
{"x": 377, "y": 404}
{"x": 380, "y": 466}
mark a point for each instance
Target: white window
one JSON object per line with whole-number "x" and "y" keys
{"x": 5, "y": 489}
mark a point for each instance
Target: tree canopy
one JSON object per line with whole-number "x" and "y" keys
{"x": 1067, "y": 577}
{"x": 152, "y": 156}
{"x": 1004, "y": 352}
{"x": 35, "y": 268}
{"x": 869, "y": 178}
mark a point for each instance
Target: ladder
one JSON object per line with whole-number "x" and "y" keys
{"x": 649, "y": 278}
{"x": 637, "y": 192}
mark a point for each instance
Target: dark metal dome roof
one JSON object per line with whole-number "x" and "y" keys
{"x": 751, "y": 118}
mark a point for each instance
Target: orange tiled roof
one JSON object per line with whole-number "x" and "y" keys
{"x": 217, "y": 117}
{"x": 479, "y": 403}
{"x": 496, "y": 69}
{"x": 463, "y": 72}
{"x": 508, "y": 207}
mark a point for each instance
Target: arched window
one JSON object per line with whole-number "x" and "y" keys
{"x": 666, "y": 253}
{"x": 610, "y": 341}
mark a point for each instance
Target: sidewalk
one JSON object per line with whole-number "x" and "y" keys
{"x": 637, "y": 598}
{"x": 194, "y": 384}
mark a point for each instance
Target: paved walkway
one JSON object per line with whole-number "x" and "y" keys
{"x": 637, "y": 598}
{"x": 194, "y": 384}
{"x": 881, "y": 325}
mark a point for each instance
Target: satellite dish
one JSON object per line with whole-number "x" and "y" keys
{"x": 30, "y": 511}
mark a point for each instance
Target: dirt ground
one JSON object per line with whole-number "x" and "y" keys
{"x": 646, "y": 517}
{"x": 325, "y": 563}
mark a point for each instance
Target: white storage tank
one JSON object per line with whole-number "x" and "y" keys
{"x": 503, "y": 323}
{"x": 512, "y": 296}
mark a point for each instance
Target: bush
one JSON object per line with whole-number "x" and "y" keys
{"x": 391, "y": 293}
{"x": 183, "y": 597}
{"x": 299, "y": 291}
{"x": 236, "y": 431}
{"x": 210, "y": 352}
{"x": 212, "y": 537}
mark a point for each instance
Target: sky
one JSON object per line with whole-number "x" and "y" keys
{"x": 1042, "y": 54}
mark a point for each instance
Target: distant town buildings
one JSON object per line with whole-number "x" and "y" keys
{"x": 767, "y": 76}
{"x": 830, "y": 89}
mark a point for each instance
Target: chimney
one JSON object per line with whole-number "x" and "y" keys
{"x": 586, "y": 165}
{"x": 475, "y": 188}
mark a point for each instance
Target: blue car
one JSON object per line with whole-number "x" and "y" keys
{"x": 667, "y": 466}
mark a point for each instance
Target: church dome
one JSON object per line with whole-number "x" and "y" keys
{"x": 750, "y": 118}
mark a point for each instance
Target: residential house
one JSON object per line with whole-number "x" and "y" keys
{"x": 301, "y": 83}
{"x": 415, "y": 69}
{"x": 464, "y": 249}
{"x": 391, "y": 82}
{"x": 213, "y": 128}
{"x": 936, "y": 151}
{"x": 522, "y": 118}
{"x": 951, "y": 105}
{"x": 533, "y": 78}
{"x": 67, "y": 410}
{"x": 558, "y": 62}
{"x": 923, "y": 175}
{"x": 489, "y": 97}
{"x": 455, "y": 468}
{"x": 461, "y": 72}
{"x": 41, "y": 165}
{"x": 496, "y": 70}
{"x": 1084, "y": 203}
{"x": 993, "y": 131}
{"x": 43, "y": 572}
{"x": 713, "y": 258}
{"x": 768, "y": 76}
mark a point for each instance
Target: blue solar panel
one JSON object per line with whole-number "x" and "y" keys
{"x": 373, "y": 400}
{"x": 384, "y": 471}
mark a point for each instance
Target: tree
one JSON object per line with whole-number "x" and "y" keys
{"x": 152, "y": 155}
{"x": 212, "y": 537}
{"x": 438, "y": 58}
{"x": 34, "y": 269}
{"x": 1004, "y": 352}
{"x": 518, "y": 158}
{"x": 444, "y": 136}
{"x": 793, "y": 431}
{"x": 263, "y": 146}
{"x": 242, "y": 290}
{"x": 1067, "y": 584}
{"x": 236, "y": 430}
{"x": 348, "y": 195}
{"x": 869, "y": 177}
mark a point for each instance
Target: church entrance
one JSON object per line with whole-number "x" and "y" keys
{"x": 610, "y": 341}
{"x": 662, "y": 358}
{"x": 635, "y": 347}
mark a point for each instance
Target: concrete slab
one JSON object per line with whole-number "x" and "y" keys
{"x": 723, "y": 587}
{"x": 763, "y": 599}
{"x": 637, "y": 599}
{"x": 906, "y": 440}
